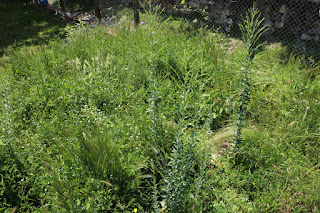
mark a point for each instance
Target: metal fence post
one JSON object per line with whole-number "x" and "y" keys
{"x": 136, "y": 12}
{"x": 63, "y": 9}
{"x": 97, "y": 9}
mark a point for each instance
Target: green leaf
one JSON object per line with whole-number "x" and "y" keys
{"x": 2, "y": 143}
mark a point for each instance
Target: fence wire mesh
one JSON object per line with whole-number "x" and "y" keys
{"x": 294, "y": 23}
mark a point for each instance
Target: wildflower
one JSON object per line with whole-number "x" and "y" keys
{"x": 182, "y": 2}
{"x": 135, "y": 210}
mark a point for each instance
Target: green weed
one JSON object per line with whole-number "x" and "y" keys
{"x": 140, "y": 118}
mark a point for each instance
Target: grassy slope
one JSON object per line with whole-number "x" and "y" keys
{"x": 87, "y": 115}
{"x": 23, "y": 25}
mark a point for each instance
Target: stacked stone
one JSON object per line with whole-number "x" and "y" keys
{"x": 219, "y": 12}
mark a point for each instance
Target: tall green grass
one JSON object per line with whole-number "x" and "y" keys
{"x": 124, "y": 119}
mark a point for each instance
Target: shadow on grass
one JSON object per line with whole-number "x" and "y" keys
{"x": 22, "y": 24}
{"x": 309, "y": 49}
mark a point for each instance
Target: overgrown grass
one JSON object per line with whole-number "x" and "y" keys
{"x": 129, "y": 117}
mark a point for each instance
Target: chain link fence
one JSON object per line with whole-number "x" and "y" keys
{"x": 294, "y": 23}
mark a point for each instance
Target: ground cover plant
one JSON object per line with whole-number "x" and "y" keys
{"x": 141, "y": 119}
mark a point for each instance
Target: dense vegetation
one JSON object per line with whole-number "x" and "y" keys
{"x": 142, "y": 119}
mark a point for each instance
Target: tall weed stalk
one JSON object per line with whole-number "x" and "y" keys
{"x": 153, "y": 28}
{"x": 153, "y": 110}
{"x": 252, "y": 31}
{"x": 182, "y": 181}
{"x": 7, "y": 124}
{"x": 11, "y": 193}
{"x": 178, "y": 179}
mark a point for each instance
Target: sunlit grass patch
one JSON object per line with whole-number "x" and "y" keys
{"x": 118, "y": 122}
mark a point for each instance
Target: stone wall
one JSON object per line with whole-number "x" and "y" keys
{"x": 300, "y": 17}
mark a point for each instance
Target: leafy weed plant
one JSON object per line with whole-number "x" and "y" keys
{"x": 251, "y": 30}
